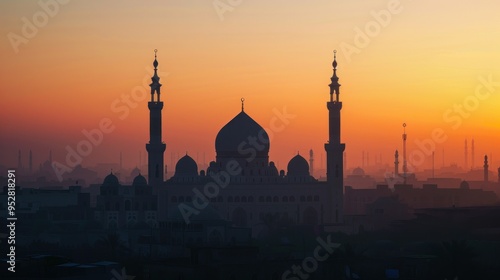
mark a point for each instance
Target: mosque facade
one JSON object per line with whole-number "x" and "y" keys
{"x": 253, "y": 195}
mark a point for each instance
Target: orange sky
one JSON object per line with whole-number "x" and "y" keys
{"x": 413, "y": 68}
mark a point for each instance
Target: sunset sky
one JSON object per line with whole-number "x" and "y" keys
{"x": 416, "y": 64}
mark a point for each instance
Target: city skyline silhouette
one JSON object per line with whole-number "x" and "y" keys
{"x": 249, "y": 140}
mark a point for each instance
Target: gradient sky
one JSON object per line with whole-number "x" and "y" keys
{"x": 426, "y": 58}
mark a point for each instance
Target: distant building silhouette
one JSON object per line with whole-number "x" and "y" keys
{"x": 396, "y": 163}
{"x": 486, "y": 166}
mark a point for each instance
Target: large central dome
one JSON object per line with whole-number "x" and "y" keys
{"x": 242, "y": 131}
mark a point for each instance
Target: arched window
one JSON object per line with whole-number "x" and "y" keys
{"x": 243, "y": 199}
{"x": 127, "y": 205}
{"x": 292, "y": 199}
{"x": 284, "y": 199}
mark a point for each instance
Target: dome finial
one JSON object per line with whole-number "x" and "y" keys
{"x": 155, "y": 63}
{"x": 242, "y": 104}
{"x": 334, "y": 64}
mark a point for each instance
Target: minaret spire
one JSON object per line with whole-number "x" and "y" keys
{"x": 334, "y": 85}
{"x": 155, "y": 81}
{"x": 242, "y": 104}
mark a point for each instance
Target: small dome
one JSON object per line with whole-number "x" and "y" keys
{"x": 298, "y": 166}
{"x": 186, "y": 167}
{"x": 464, "y": 185}
{"x": 239, "y": 130}
{"x": 111, "y": 180}
{"x": 139, "y": 181}
{"x": 358, "y": 171}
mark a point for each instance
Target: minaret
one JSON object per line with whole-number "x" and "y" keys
{"x": 311, "y": 162}
{"x": 334, "y": 149}
{"x": 405, "y": 167}
{"x": 31, "y": 162}
{"x": 485, "y": 166}
{"x": 396, "y": 163}
{"x": 466, "y": 154}
{"x": 155, "y": 147}
{"x": 472, "y": 154}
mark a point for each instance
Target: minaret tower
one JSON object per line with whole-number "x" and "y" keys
{"x": 405, "y": 167}
{"x": 485, "y": 166}
{"x": 396, "y": 164}
{"x": 335, "y": 149}
{"x": 311, "y": 162}
{"x": 155, "y": 147}
{"x": 466, "y": 155}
